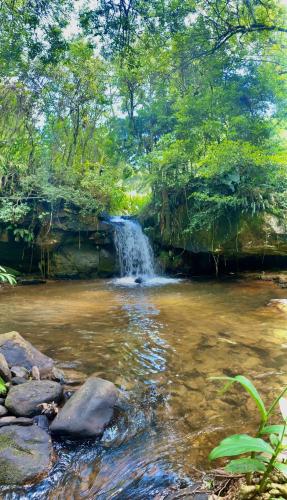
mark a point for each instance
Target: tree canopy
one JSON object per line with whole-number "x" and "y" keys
{"x": 181, "y": 102}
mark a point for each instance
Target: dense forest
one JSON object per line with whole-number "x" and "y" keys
{"x": 172, "y": 108}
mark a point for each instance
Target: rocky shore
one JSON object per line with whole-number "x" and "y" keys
{"x": 39, "y": 404}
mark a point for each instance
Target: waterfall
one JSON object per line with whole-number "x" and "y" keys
{"x": 133, "y": 248}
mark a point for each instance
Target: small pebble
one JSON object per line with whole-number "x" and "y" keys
{"x": 19, "y": 371}
{"x": 35, "y": 373}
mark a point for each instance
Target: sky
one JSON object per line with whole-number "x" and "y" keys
{"x": 73, "y": 27}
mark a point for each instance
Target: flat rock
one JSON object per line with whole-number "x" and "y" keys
{"x": 25, "y": 454}
{"x": 32, "y": 282}
{"x": 24, "y": 400}
{"x": 88, "y": 411}
{"x": 20, "y": 352}
{"x": 15, "y": 421}
{"x": 5, "y": 373}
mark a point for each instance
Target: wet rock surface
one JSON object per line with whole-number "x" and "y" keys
{"x": 12, "y": 420}
{"x": 42, "y": 422}
{"x": 19, "y": 371}
{"x": 24, "y": 400}
{"x": 19, "y": 352}
{"x": 35, "y": 389}
{"x": 25, "y": 454}
{"x": 3, "y": 411}
{"x": 18, "y": 380}
{"x": 5, "y": 373}
{"x": 88, "y": 411}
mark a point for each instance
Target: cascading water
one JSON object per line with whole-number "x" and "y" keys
{"x": 133, "y": 248}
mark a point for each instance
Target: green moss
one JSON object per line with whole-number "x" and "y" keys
{"x": 7, "y": 441}
{"x": 9, "y": 474}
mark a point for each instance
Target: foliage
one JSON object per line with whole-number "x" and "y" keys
{"x": 3, "y": 387}
{"x": 6, "y": 277}
{"x": 263, "y": 457}
{"x": 184, "y": 99}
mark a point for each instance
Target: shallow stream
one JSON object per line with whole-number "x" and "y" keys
{"x": 159, "y": 344}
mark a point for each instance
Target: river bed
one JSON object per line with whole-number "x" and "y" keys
{"x": 160, "y": 344}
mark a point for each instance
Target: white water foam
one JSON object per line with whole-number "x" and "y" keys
{"x": 135, "y": 255}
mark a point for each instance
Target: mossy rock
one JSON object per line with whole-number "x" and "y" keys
{"x": 25, "y": 454}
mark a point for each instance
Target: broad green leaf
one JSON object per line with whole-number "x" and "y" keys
{"x": 245, "y": 465}
{"x": 274, "y": 440}
{"x": 273, "y": 429}
{"x": 240, "y": 443}
{"x": 281, "y": 467}
{"x": 250, "y": 388}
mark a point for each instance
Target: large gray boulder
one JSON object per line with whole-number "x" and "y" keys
{"x": 24, "y": 400}
{"x": 88, "y": 411}
{"x": 20, "y": 352}
{"x": 25, "y": 454}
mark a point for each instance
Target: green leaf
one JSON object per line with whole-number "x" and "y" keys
{"x": 252, "y": 391}
{"x": 245, "y": 465}
{"x": 249, "y": 387}
{"x": 3, "y": 388}
{"x": 239, "y": 443}
{"x": 273, "y": 429}
{"x": 274, "y": 440}
{"x": 281, "y": 467}
{"x": 275, "y": 402}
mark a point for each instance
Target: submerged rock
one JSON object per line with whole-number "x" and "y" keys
{"x": 73, "y": 377}
{"x": 25, "y": 454}
{"x": 139, "y": 280}
{"x": 279, "y": 304}
{"x": 88, "y": 411}
{"x": 19, "y": 352}
{"x": 24, "y": 400}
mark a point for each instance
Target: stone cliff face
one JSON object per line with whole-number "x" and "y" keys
{"x": 68, "y": 246}
{"x": 254, "y": 242}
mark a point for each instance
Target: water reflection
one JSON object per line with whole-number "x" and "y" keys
{"x": 160, "y": 345}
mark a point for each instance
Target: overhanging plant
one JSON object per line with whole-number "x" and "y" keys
{"x": 6, "y": 277}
